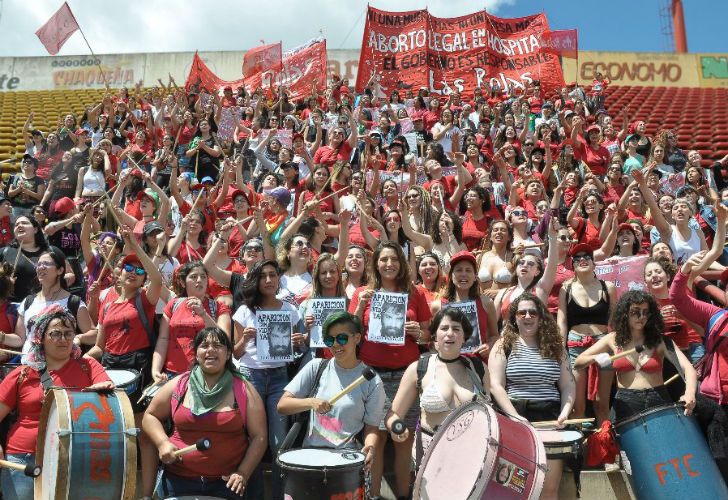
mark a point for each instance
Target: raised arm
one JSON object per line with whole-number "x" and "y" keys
{"x": 657, "y": 217}
{"x": 423, "y": 240}
{"x": 546, "y": 283}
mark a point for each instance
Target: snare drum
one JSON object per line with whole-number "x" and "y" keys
{"x": 87, "y": 446}
{"x": 313, "y": 473}
{"x": 479, "y": 453}
{"x": 126, "y": 380}
{"x": 560, "y": 443}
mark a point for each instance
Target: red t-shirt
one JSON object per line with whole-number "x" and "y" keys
{"x": 7, "y": 321}
{"x": 676, "y": 326}
{"x": 597, "y": 159}
{"x": 123, "y": 329}
{"x": 183, "y": 326}
{"x": 588, "y": 233}
{"x": 215, "y": 289}
{"x": 132, "y": 208}
{"x": 187, "y": 254}
{"x": 562, "y": 275}
{"x": 27, "y": 398}
{"x": 474, "y": 231}
{"x": 327, "y": 206}
{"x": 356, "y": 238}
{"x": 6, "y": 232}
{"x": 448, "y": 181}
{"x": 386, "y": 355}
{"x": 612, "y": 194}
{"x": 326, "y": 155}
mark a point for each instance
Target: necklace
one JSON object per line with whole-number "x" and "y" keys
{"x": 448, "y": 361}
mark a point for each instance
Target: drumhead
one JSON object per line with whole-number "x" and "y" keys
{"x": 320, "y": 457}
{"x": 464, "y": 449}
{"x": 122, "y": 377}
{"x": 55, "y": 415}
{"x": 553, "y": 436}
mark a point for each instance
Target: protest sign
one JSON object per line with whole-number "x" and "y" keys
{"x": 387, "y": 316}
{"x": 320, "y": 309}
{"x": 470, "y": 309}
{"x": 627, "y": 273}
{"x": 273, "y": 336}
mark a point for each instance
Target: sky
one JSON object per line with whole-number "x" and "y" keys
{"x": 177, "y": 25}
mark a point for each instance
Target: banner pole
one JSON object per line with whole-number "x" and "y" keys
{"x": 103, "y": 76}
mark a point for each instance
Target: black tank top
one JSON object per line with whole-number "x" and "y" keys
{"x": 576, "y": 314}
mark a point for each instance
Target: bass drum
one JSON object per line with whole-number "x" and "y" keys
{"x": 87, "y": 445}
{"x": 505, "y": 458}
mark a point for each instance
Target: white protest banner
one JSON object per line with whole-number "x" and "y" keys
{"x": 387, "y": 316}
{"x": 626, "y": 273}
{"x": 273, "y": 336}
{"x": 320, "y": 309}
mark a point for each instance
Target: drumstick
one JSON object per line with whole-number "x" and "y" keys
{"x": 201, "y": 445}
{"x": 145, "y": 391}
{"x": 367, "y": 374}
{"x": 199, "y": 195}
{"x": 398, "y": 426}
{"x": 549, "y": 423}
{"x": 672, "y": 379}
{"x": 637, "y": 348}
{"x": 8, "y": 351}
{"x": 17, "y": 258}
{"x": 333, "y": 194}
{"x": 29, "y": 470}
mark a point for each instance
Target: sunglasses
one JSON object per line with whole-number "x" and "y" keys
{"x": 341, "y": 339}
{"x": 639, "y": 313}
{"x": 564, "y": 238}
{"x": 524, "y": 262}
{"x": 580, "y": 257}
{"x": 253, "y": 248}
{"x": 518, "y": 213}
{"x": 522, "y": 313}
{"x": 131, "y": 268}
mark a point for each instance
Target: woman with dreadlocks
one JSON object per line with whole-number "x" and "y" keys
{"x": 53, "y": 360}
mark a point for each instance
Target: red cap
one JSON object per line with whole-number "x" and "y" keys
{"x": 64, "y": 205}
{"x": 626, "y": 226}
{"x": 131, "y": 259}
{"x": 137, "y": 173}
{"x": 593, "y": 128}
{"x": 463, "y": 255}
{"x": 579, "y": 248}
{"x": 81, "y": 131}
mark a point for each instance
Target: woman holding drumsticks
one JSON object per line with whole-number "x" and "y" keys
{"x": 52, "y": 352}
{"x": 212, "y": 401}
{"x": 338, "y": 425}
{"x": 638, "y": 323}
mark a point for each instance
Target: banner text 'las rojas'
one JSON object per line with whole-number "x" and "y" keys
{"x": 415, "y": 49}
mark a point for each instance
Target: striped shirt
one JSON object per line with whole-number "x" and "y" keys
{"x": 530, "y": 376}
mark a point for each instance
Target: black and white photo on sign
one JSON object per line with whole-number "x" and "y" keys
{"x": 273, "y": 336}
{"x": 320, "y": 309}
{"x": 387, "y": 316}
{"x": 470, "y": 309}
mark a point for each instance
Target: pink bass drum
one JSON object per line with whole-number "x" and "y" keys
{"x": 478, "y": 453}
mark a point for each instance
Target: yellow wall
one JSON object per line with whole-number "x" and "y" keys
{"x": 650, "y": 69}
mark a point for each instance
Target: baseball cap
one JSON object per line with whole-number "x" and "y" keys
{"x": 64, "y": 205}
{"x": 463, "y": 255}
{"x": 207, "y": 180}
{"x": 581, "y": 248}
{"x": 151, "y": 227}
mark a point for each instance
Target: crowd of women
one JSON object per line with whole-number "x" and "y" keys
{"x": 139, "y": 236}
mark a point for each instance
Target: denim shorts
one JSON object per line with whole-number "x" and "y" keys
{"x": 574, "y": 352}
{"x": 15, "y": 485}
{"x": 391, "y": 381}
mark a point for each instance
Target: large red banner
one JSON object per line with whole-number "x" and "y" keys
{"x": 203, "y": 77}
{"x": 301, "y": 67}
{"x": 415, "y": 49}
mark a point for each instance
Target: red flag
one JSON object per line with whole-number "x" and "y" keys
{"x": 561, "y": 42}
{"x": 261, "y": 58}
{"x": 59, "y": 28}
{"x": 201, "y": 76}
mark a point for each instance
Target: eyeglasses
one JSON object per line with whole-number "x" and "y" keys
{"x": 564, "y": 237}
{"x": 44, "y": 265}
{"x": 524, "y": 262}
{"x": 302, "y": 244}
{"x": 55, "y": 335}
{"x": 216, "y": 346}
{"x": 640, "y": 313}
{"x": 527, "y": 144}
{"x": 519, "y": 213}
{"x": 343, "y": 123}
{"x": 341, "y": 339}
{"x": 131, "y": 268}
{"x": 522, "y": 313}
{"x": 253, "y": 248}
{"x": 580, "y": 257}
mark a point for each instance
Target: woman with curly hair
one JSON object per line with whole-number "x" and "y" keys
{"x": 445, "y": 240}
{"x": 637, "y": 321}
{"x": 530, "y": 375}
{"x": 52, "y": 353}
{"x": 420, "y": 210}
